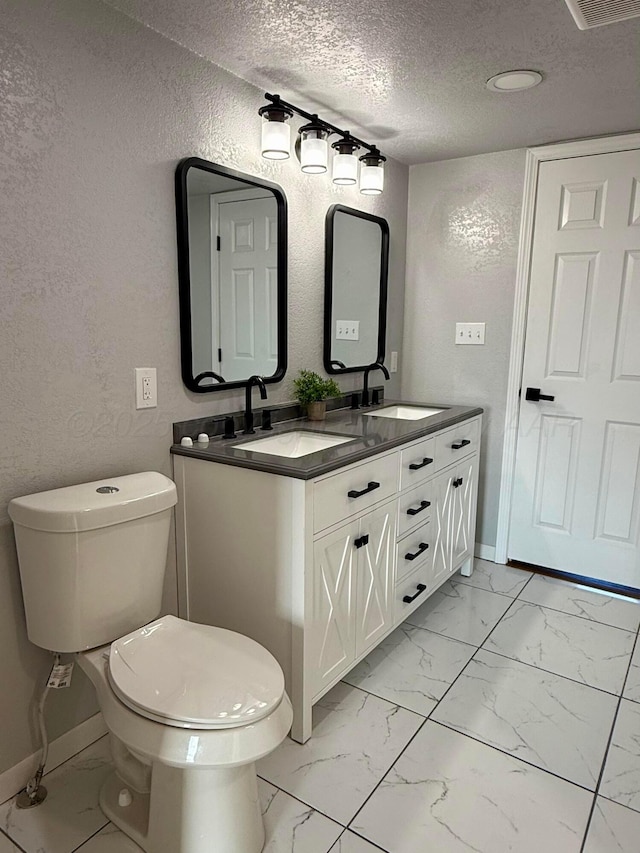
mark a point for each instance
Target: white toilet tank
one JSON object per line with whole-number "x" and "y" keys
{"x": 92, "y": 558}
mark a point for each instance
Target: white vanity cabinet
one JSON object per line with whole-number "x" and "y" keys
{"x": 320, "y": 570}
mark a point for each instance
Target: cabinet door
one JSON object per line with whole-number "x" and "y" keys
{"x": 465, "y": 487}
{"x": 442, "y": 520}
{"x": 375, "y": 576}
{"x": 331, "y": 631}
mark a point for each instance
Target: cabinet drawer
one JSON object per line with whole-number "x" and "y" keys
{"x": 343, "y": 495}
{"x": 457, "y": 443}
{"x": 414, "y": 508}
{"x": 417, "y": 463}
{"x": 416, "y": 587}
{"x": 414, "y": 550}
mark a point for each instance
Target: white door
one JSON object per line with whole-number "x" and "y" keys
{"x": 374, "y": 586}
{"x": 331, "y": 634}
{"x": 576, "y": 498}
{"x": 442, "y": 521}
{"x": 248, "y": 288}
{"x": 463, "y": 512}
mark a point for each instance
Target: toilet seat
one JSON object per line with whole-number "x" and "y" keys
{"x": 188, "y": 675}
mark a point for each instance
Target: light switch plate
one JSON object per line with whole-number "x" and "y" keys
{"x": 146, "y": 388}
{"x": 347, "y": 330}
{"x": 470, "y": 333}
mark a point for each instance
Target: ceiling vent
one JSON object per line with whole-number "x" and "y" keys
{"x": 596, "y": 13}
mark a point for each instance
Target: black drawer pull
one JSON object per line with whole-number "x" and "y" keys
{"x": 456, "y": 483}
{"x": 414, "y": 510}
{"x": 409, "y": 598}
{"x": 421, "y": 549}
{"x": 372, "y": 486}
{"x": 415, "y": 466}
{"x": 363, "y": 540}
{"x": 458, "y": 444}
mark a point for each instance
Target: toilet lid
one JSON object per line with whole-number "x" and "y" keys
{"x": 194, "y": 676}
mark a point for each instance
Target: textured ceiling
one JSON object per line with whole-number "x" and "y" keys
{"x": 409, "y": 74}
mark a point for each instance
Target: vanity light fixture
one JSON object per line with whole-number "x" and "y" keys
{"x": 345, "y": 162}
{"x": 312, "y": 147}
{"x": 276, "y": 132}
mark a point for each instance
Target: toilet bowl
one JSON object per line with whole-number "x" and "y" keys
{"x": 189, "y": 708}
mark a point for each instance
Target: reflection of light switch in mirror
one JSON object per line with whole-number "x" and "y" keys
{"x": 347, "y": 330}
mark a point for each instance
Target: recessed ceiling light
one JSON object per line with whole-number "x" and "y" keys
{"x": 514, "y": 81}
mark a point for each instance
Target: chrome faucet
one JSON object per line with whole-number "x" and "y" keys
{"x": 248, "y": 414}
{"x": 365, "y": 390}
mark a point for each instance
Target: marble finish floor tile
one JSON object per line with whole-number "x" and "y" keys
{"x": 632, "y": 685}
{"x": 461, "y": 612}
{"x": 550, "y": 721}
{"x": 356, "y": 738}
{"x": 412, "y": 667}
{"x": 70, "y": 814}
{"x": 289, "y": 825}
{"x": 581, "y": 601}
{"x": 621, "y": 777}
{"x": 495, "y": 577}
{"x": 586, "y": 651}
{"x": 110, "y": 840}
{"x": 7, "y": 846}
{"x": 352, "y": 843}
{"x": 451, "y": 794}
{"x": 614, "y": 829}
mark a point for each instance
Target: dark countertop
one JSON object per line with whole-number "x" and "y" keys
{"x": 371, "y": 435}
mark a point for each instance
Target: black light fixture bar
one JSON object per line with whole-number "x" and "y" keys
{"x": 277, "y": 101}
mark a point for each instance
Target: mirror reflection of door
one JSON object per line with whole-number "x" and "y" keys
{"x": 246, "y": 285}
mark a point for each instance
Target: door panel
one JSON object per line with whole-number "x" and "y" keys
{"x": 375, "y": 577}
{"x": 442, "y": 521}
{"x": 463, "y": 512}
{"x": 574, "y": 506}
{"x": 331, "y": 632}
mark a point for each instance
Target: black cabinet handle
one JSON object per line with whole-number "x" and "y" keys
{"x": 458, "y": 444}
{"x": 421, "y": 549}
{"x": 372, "y": 486}
{"x": 534, "y": 395}
{"x": 415, "y": 466}
{"x": 414, "y": 510}
{"x": 409, "y": 598}
{"x": 363, "y": 540}
{"x": 456, "y": 483}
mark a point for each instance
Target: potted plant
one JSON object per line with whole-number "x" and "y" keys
{"x": 312, "y": 392}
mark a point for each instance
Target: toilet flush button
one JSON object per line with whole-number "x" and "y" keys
{"x": 124, "y": 798}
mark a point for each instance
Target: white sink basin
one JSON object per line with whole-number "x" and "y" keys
{"x": 294, "y": 444}
{"x": 405, "y": 413}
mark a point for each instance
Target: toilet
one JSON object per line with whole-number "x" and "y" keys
{"x": 190, "y": 708}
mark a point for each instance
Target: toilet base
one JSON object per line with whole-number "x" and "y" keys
{"x": 190, "y": 811}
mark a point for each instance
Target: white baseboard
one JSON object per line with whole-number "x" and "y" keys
{"x": 486, "y": 552}
{"x": 15, "y": 778}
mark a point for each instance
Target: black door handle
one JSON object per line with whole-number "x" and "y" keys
{"x": 409, "y": 598}
{"x": 370, "y": 488}
{"x": 415, "y": 466}
{"x": 421, "y": 549}
{"x": 456, "y": 483}
{"x": 534, "y": 395}
{"x": 414, "y": 510}
{"x": 363, "y": 540}
{"x": 458, "y": 444}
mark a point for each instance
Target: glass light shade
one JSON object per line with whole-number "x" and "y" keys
{"x": 345, "y": 169}
{"x": 371, "y": 179}
{"x": 314, "y": 150}
{"x": 276, "y": 139}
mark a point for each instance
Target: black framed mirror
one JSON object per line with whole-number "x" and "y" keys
{"x": 232, "y": 270}
{"x": 355, "y": 289}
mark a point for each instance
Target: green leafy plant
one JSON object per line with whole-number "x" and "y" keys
{"x": 311, "y": 388}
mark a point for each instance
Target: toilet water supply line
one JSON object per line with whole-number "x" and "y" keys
{"x": 35, "y": 793}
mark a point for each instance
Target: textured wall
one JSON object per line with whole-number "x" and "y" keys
{"x": 96, "y": 112}
{"x": 462, "y": 245}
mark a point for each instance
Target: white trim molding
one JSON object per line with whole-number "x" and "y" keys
{"x": 535, "y": 156}
{"x": 60, "y": 750}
